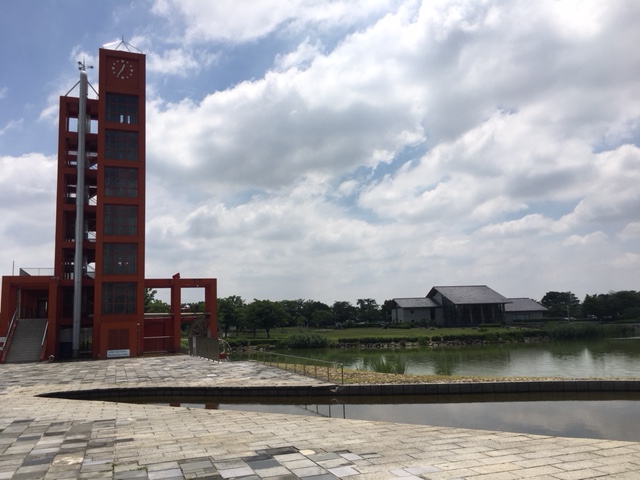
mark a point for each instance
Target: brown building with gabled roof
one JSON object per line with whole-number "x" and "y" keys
{"x": 468, "y": 305}
{"x": 464, "y": 306}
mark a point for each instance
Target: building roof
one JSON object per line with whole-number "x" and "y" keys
{"x": 469, "y": 294}
{"x": 523, "y": 305}
{"x": 419, "y": 302}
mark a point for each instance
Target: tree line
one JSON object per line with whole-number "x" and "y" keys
{"x": 612, "y": 306}
{"x": 235, "y": 314}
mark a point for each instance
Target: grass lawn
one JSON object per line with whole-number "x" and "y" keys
{"x": 367, "y": 332}
{"x": 405, "y": 332}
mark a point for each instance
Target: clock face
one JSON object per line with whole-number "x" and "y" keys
{"x": 122, "y": 69}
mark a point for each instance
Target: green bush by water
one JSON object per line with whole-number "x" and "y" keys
{"x": 396, "y": 366}
{"x": 306, "y": 340}
{"x": 294, "y": 338}
{"x": 577, "y": 331}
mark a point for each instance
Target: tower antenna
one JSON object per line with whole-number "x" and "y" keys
{"x": 123, "y": 45}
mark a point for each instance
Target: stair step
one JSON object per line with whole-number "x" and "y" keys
{"x": 26, "y": 342}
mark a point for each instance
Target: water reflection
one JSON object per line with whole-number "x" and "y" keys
{"x": 598, "y": 359}
{"x": 610, "y": 416}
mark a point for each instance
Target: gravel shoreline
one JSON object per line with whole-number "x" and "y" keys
{"x": 366, "y": 377}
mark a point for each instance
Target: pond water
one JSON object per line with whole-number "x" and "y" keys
{"x": 608, "y": 358}
{"x": 610, "y": 419}
{"x": 608, "y": 416}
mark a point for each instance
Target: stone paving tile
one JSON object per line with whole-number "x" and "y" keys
{"x": 60, "y": 438}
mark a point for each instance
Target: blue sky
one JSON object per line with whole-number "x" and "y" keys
{"x": 336, "y": 150}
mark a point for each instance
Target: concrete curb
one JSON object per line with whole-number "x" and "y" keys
{"x": 405, "y": 390}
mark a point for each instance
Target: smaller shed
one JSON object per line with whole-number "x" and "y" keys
{"x": 416, "y": 310}
{"x": 524, "y": 310}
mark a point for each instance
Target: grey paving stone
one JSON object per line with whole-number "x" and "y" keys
{"x": 309, "y": 471}
{"x": 84, "y": 438}
{"x": 343, "y": 471}
{"x": 130, "y": 474}
{"x": 324, "y": 476}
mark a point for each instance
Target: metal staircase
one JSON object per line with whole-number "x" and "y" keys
{"x": 26, "y": 343}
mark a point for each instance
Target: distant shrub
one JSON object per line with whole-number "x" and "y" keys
{"x": 573, "y": 331}
{"x": 252, "y": 342}
{"x": 306, "y": 340}
{"x": 401, "y": 326}
{"x": 383, "y": 365}
{"x": 619, "y": 330}
{"x": 378, "y": 340}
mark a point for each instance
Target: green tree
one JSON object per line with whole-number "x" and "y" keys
{"x": 597, "y": 306}
{"x": 230, "y": 312}
{"x": 561, "y": 304}
{"x": 310, "y": 309}
{"x": 613, "y": 305}
{"x": 624, "y": 303}
{"x": 369, "y": 312}
{"x": 265, "y": 314}
{"x": 295, "y": 309}
{"x": 152, "y": 304}
{"x": 344, "y": 312}
{"x": 302, "y": 309}
{"x": 387, "y": 307}
{"x": 322, "y": 318}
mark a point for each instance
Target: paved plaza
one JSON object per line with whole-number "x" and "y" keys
{"x": 55, "y": 438}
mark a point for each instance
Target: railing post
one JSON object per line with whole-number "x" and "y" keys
{"x": 282, "y": 361}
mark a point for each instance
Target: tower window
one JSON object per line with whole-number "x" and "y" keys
{"x": 120, "y": 182}
{"x": 120, "y": 258}
{"x": 121, "y": 145}
{"x": 122, "y": 108}
{"x": 121, "y": 220}
{"x": 118, "y": 298}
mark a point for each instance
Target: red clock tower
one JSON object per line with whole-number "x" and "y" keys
{"x": 119, "y": 246}
{"x": 94, "y": 301}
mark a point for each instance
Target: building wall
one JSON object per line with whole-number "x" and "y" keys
{"x": 531, "y": 316}
{"x": 119, "y": 289}
{"x": 402, "y": 315}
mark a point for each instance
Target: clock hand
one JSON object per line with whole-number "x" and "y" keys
{"x": 121, "y": 69}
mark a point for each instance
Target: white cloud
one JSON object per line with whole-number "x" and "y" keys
{"x": 631, "y": 231}
{"x": 383, "y": 147}
{"x": 11, "y": 125}
{"x": 627, "y": 263}
{"x": 530, "y": 225}
{"x": 243, "y": 21}
{"x": 508, "y": 105}
{"x": 303, "y": 55}
{"x": 584, "y": 240}
{"x": 179, "y": 61}
{"x": 613, "y": 196}
{"x": 27, "y": 199}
